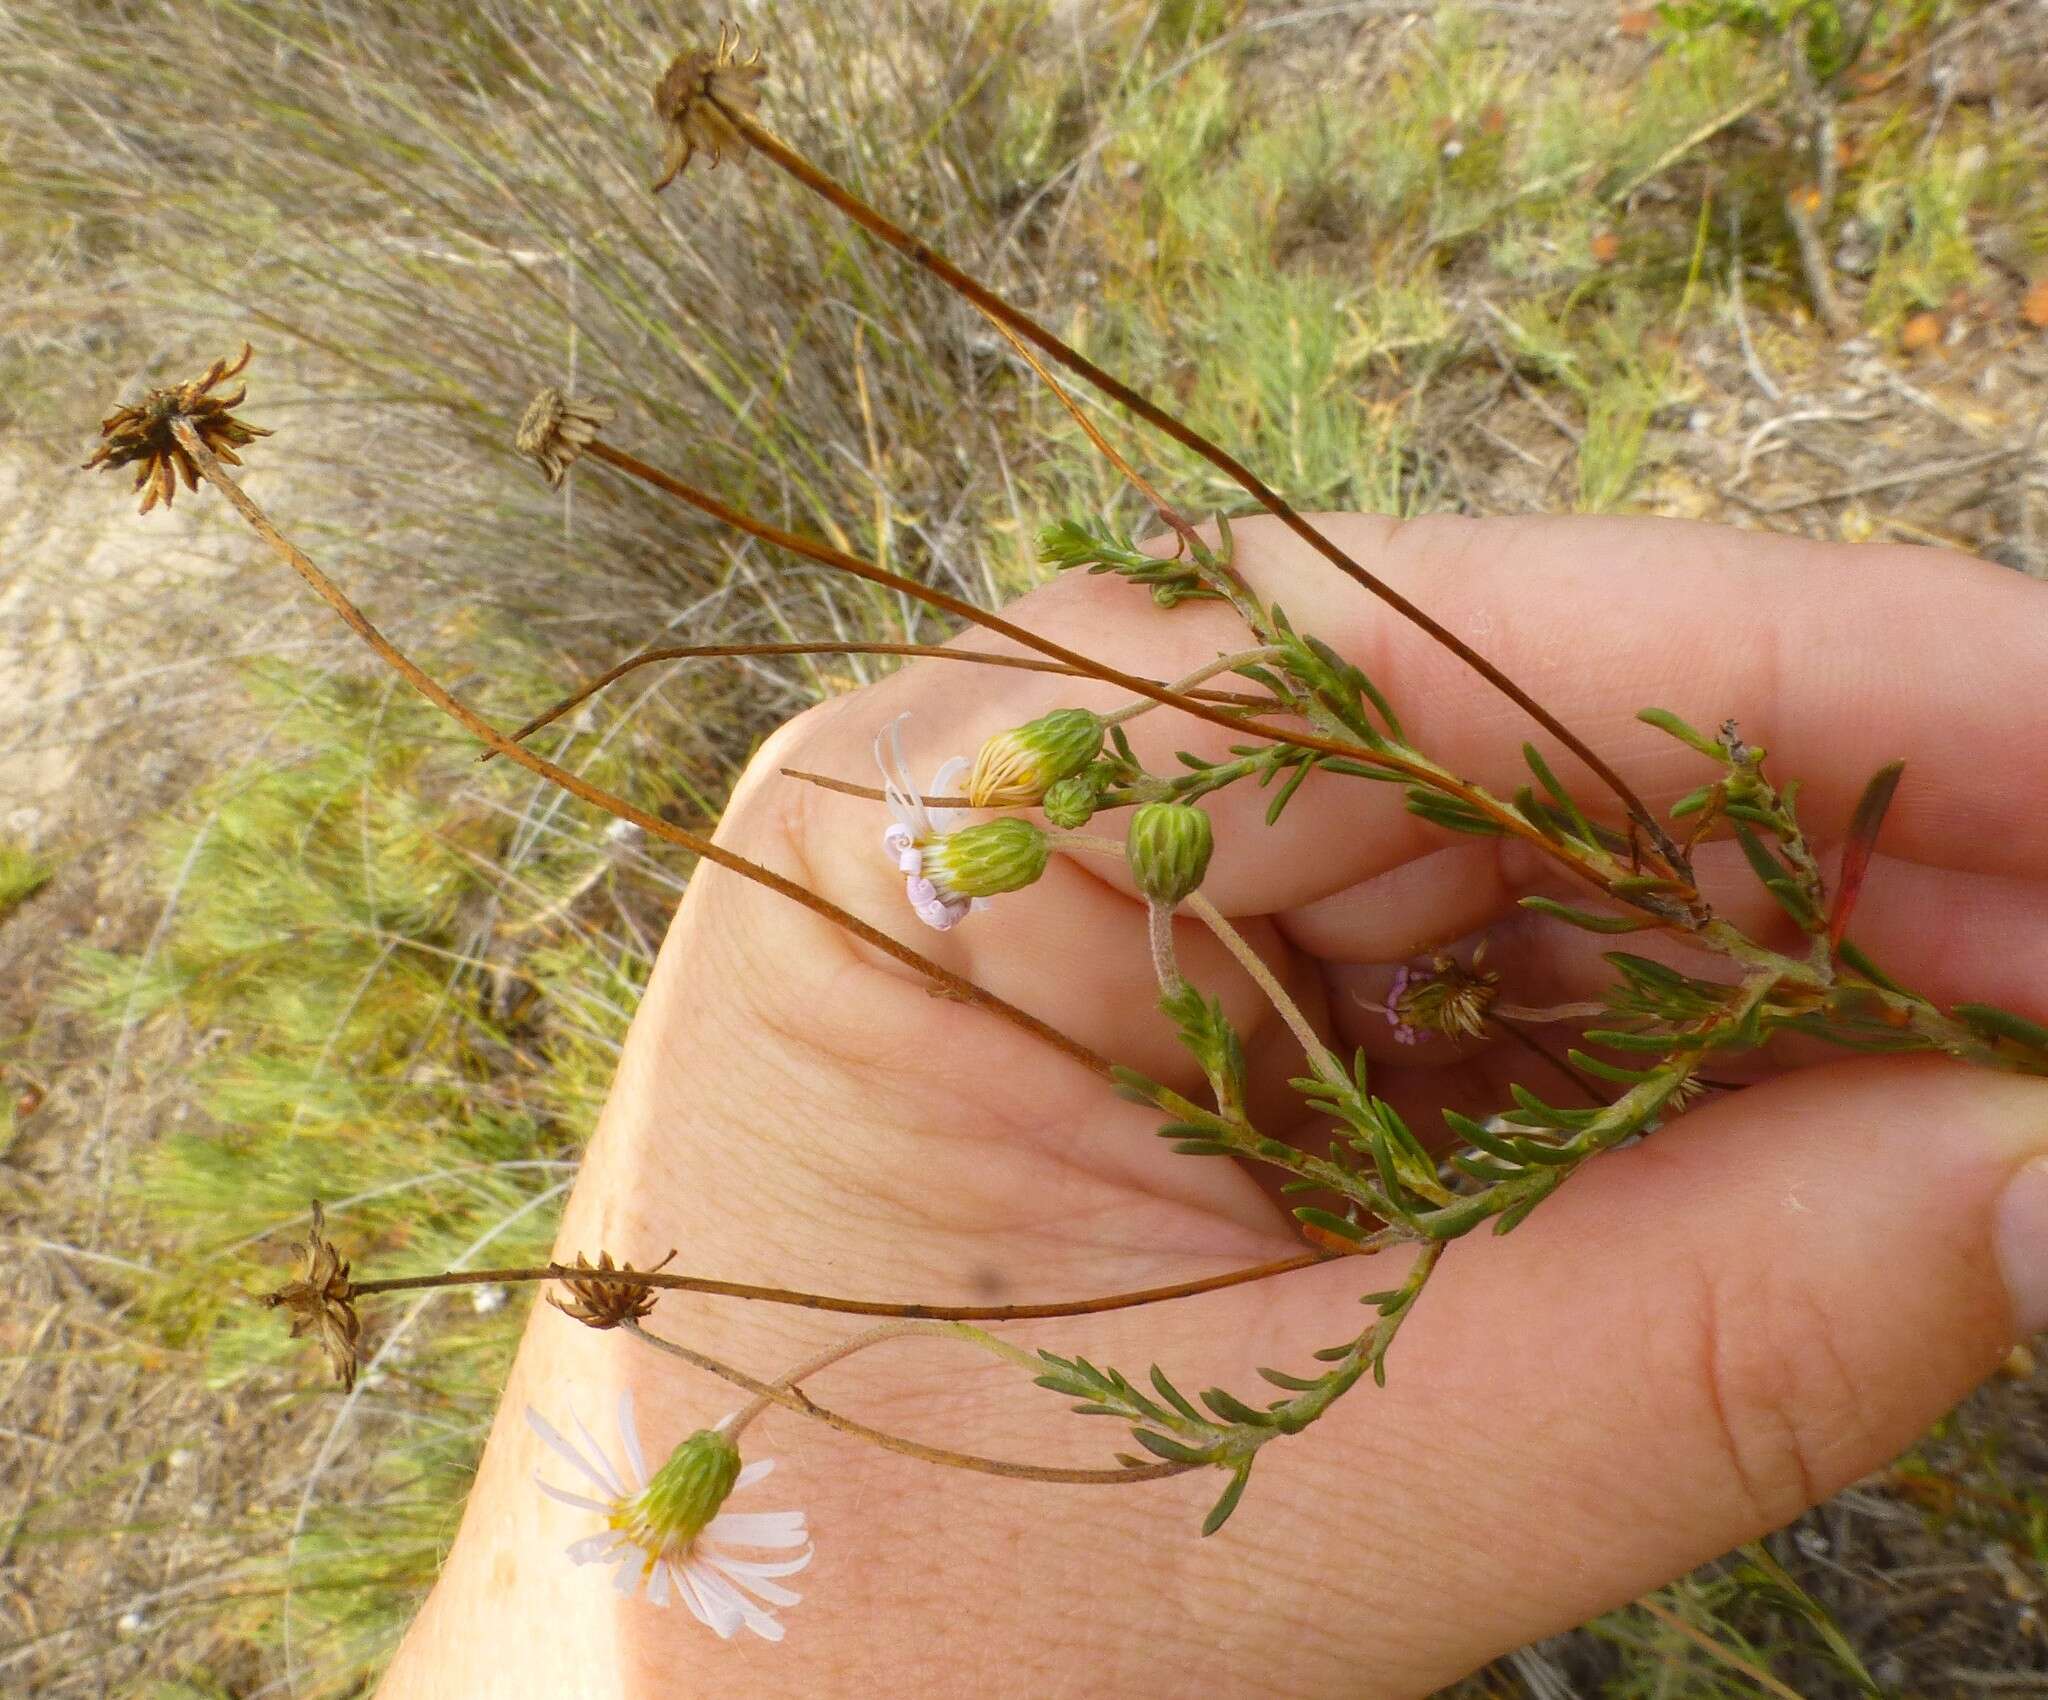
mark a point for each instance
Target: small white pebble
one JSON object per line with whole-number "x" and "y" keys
{"x": 486, "y": 1301}
{"x": 130, "y": 1622}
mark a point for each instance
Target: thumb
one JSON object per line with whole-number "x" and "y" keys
{"x": 1699, "y": 1338}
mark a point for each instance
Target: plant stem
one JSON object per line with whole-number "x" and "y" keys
{"x": 1423, "y": 773}
{"x": 657, "y": 1278}
{"x": 795, "y": 1399}
{"x": 1159, "y": 934}
{"x": 918, "y": 651}
{"x": 1319, "y": 1057}
{"x": 215, "y": 474}
{"x": 1201, "y": 675}
{"x": 736, "y": 1425}
{"x": 993, "y": 307}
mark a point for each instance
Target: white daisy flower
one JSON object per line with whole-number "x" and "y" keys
{"x": 668, "y": 1530}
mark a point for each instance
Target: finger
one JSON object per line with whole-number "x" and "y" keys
{"x": 1837, "y": 658}
{"x": 1598, "y": 618}
{"x": 1694, "y": 1341}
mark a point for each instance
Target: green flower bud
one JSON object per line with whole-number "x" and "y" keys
{"x": 987, "y": 860}
{"x": 1168, "y": 845}
{"x": 1016, "y": 767}
{"x": 684, "y": 1494}
{"x": 1071, "y": 803}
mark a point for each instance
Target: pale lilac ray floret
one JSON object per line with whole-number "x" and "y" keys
{"x": 916, "y": 825}
{"x": 680, "y": 1540}
{"x": 1404, "y": 979}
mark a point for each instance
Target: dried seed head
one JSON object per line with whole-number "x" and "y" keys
{"x": 319, "y": 1301}
{"x": 1447, "y": 998}
{"x": 607, "y": 1304}
{"x": 557, "y": 429}
{"x": 698, "y": 97}
{"x": 141, "y": 435}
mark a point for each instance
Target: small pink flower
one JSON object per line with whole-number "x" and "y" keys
{"x": 1403, "y": 979}
{"x": 916, "y": 825}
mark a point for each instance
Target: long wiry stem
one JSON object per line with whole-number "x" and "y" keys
{"x": 215, "y": 474}
{"x": 1186, "y": 683}
{"x": 665, "y": 1280}
{"x": 1508, "y": 820}
{"x": 1319, "y": 1057}
{"x": 995, "y": 308}
{"x": 915, "y": 651}
{"x": 841, "y": 1350}
{"x": 795, "y": 1399}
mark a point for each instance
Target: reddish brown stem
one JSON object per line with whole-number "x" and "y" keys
{"x": 795, "y": 1399}
{"x": 826, "y": 1301}
{"x": 825, "y": 555}
{"x": 919, "y": 651}
{"x": 994, "y": 307}
{"x": 961, "y": 987}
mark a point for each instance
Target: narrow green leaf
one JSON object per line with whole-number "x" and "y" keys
{"x": 1174, "y": 1397}
{"x": 1609, "y": 1071}
{"x": 1164, "y": 1446}
{"x": 1219, "y": 1513}
{"x": 1665, "y": 721}
{"x": 1329, "y": 1223}
{"x": 1231, "y": 1408}
{"x": 1589, "y": 921}
{"x": 1995, "y": 1023}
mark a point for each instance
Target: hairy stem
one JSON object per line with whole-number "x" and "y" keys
{"x": 1201, "y": 675}
{"x": 1159, "y": 935}
{"x": 1319, "y": 1058}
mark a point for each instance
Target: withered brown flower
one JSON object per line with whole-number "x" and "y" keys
{"x": 557, "y": 429}
{"x": 1447, "y": 998}
{"x": 607, "y": 1304}
{"x": 142, "y": 433}
{"x": 697, "y": 97}
{"x": 319, "y": 1300}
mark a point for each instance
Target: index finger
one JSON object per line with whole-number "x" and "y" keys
{"x": 1838, "y": 658}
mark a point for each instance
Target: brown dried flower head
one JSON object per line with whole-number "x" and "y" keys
{"x": 319, "y": 1301}
{"x": 698, "y": 96}
{"x": 557, "y": 429}
{"x": 607, "y": 1304}
{"x": 1450, "y": 998}
{"x": 141, "y": 435}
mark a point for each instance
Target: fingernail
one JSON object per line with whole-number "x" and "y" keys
{"x": 2022, "y": 1242}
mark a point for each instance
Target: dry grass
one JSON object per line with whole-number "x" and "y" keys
{"x": 1456, "y": 261}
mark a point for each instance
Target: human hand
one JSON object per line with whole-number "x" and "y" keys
{"x": 1695, "y": 1339}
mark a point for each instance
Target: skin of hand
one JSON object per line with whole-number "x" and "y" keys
{"x": 1698, "y": 1337}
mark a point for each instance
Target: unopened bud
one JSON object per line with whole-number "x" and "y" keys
{"x": 1072, "y": 802}
{"x": 1168, "y": 845}
{"x": 1018, "y": 767}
